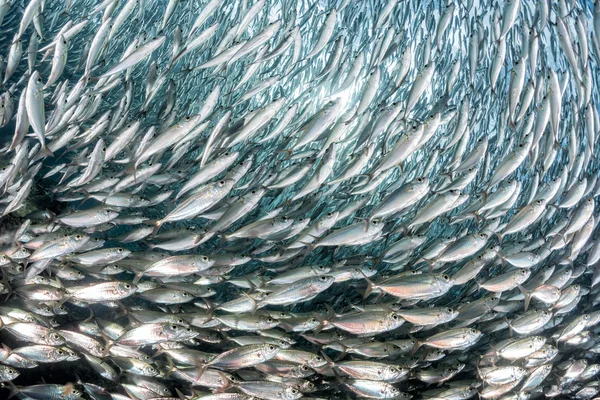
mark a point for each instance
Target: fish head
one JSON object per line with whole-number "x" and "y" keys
{"x": 311, "y": 323}
{"x": 321, "y": 269}
{"x": 149, "y": 370}
{"x": 53, "y": 338}
{"x": 522, "y": 274}
{"x": 448, "y": 314}
{"x": 10, "y": 373}
{"x": 472, "y": 334}
{"x": 70, "y": 354}
{"x": 172, "y": 331}
{"x": 126, "y": 288}
{"x": 316, "y": 361}
{"x": 392, "y": 372}
{"x": 445, "y": 281}
{"x": 538, "y": 341}
{"x": 269, "y": 350}
{"x": 267, "y": 322}
{"x": 324, "y": 281}
{"x": 585, "y": 317}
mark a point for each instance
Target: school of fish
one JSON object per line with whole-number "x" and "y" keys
{"x": 336, "y": 199}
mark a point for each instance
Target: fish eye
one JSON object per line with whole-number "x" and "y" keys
{"x": 323, "y": 278}
{"x": 174, "y": 327}
{"x": 395, "y": 317}
{"x": 221, "y": 182}
{"x": 127, "y": 286}
{"x": 270, "y": 320}
{"x": 271, "y": 348}
{"x": 204, "y": 258}
{"x": 120, "y": 250}
{"x": 253, "y": 192}
{"x": 294, "y": 391}
{"x": 446, "y": 278}
{"x": 77, "y": 237}
{"x": 60, "y": 352}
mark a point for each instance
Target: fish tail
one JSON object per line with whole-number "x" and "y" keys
{"x": 252, "y": 301}
{"x": 510, "y": 328}
{"x": 322, "y": 322}
{"x": 418, "y": 344}
{"x": 172, "y": 368}
{"x": 370, "y": 287}
{"x": 330, "y": 362}
{"x": 227, "y": 383}
{"x": 46, "y": 151}
{"x": 157, "y": 224}
{"x": 499, "y": 236}
{"x": 7, "y": 351}
{"x": 137, "y": 277}
{"x": 13, "y": 389}
{"x": 288, "y": 153}
{"x": 527, "y": 295}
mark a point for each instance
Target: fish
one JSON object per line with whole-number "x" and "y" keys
{"x": 285, "y": 199}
